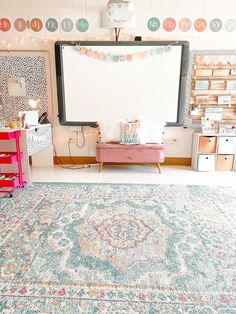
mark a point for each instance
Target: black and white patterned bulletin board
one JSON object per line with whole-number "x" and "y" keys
{"x": 33, "y": 67}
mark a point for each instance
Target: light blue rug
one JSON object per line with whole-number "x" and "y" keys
{"x": 117, "y": 248}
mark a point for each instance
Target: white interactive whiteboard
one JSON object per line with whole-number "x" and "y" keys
{"x": 116, "y": 80}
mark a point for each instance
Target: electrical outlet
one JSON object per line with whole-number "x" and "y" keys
{"x": 72, "y": 139}
{"x": 174, "y": 141}
{"x": 75, "y": 128}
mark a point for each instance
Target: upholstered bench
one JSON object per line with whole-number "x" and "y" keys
{"x": 131, "y": 153}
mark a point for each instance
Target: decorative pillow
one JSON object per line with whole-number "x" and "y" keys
{"x": 110, "y": 131}
{"x": 131, "y": 132}
{"x": 152, "y": 131}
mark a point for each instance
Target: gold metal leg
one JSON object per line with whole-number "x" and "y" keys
{"x": 100, "y": 166}
{"x": 158, "y": 167}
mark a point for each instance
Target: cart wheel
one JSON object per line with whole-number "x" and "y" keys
{"x": 10, "y": 195}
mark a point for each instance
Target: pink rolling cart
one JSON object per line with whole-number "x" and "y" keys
{"x": 11, "y": 181}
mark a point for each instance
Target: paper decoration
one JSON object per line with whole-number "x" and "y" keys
{"x": 208, "y": 125}
{"x": 153, "y": 24}
{"x": 200, "y": 25}
{"x": 217, "y": 84}
{"x": 209, "y": 59}
{"x": 51, "y": 25}
{"x": 202, "y": 100}
{"x": 230, "y": 25}
{"x": 214, "y": 113}
{"x": 221, "y": 72}
{"x": 194, "y": 112}
{"x": 169, "y": 24}
{"x": 231, "y": 85}
{"x": 82, "y": 25}
{"x": 36, "y": 25}
{"x": 20, "y": 25}
{"x": 67, "y": 25}
{"x": 203, "y": 72}
{"x": 231, "y": 59}
{"x": 216, "y": 60}
{"x": 5, "y": 25}
{"x": 227, "y": 128}
{"x": 224, "y": 100}
{"x": 216, "y": 25}
{"x": 185, "y": 24}
{"x": 201, "y": 84}
{"x": 107, "y": 57}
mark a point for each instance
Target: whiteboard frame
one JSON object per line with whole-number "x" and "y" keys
{"x": 60, "y": 79}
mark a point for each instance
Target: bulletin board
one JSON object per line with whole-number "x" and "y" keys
{"x": 33, "y": 68}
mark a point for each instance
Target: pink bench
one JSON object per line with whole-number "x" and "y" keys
{"x": 120, "y": 153}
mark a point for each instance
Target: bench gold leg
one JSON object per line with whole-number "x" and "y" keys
{"x": 158, "y": 167}
{"x": 100, "y": 166}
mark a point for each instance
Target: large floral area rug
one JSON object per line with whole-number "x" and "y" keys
{"x": 118, "y": 248}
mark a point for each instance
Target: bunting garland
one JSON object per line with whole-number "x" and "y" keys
{"x": 108, "y": 57}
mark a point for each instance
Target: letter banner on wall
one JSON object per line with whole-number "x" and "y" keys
{"x": 67, "y": 24}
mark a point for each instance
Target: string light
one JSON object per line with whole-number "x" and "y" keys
{"x": 30, "y": 39}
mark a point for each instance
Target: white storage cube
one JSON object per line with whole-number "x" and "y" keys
{"x": 226, "y": 145}
{"x": 206, "y": 162}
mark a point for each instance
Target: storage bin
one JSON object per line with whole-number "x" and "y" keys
{"x": 9, "y": 135}
{"x": 8, "y": 157}
{"x": 206, "y": 162}
{"x": 225, "y": 162}
{"x": 226, "y": 145}
{"x": 8, "y": 181}
{"x": 207, "y": 144}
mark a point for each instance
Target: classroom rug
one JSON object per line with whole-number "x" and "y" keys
{"x": 118, "y": 248}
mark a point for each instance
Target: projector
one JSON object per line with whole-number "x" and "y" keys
{"x": 119, "y": 14}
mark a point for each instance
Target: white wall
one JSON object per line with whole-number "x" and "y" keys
{"x": 91, "y": 9}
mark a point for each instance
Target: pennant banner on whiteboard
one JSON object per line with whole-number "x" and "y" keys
{"x": 108, "y": 57}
